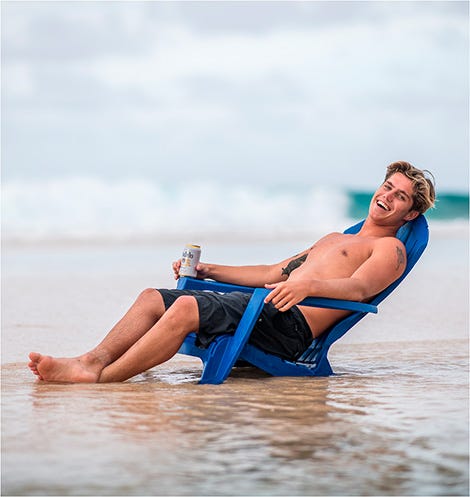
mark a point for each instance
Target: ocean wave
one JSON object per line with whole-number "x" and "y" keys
{"x": 80, "y": 208}
{"x": 84, "y": 208}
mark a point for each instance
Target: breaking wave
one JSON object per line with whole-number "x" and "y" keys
{"x": 92, "y": 208}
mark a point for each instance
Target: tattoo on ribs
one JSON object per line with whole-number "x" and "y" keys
{"x": 400, "y": 257}
{"x": 294, "y": 264}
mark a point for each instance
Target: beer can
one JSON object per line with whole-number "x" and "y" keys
{"x": 189, "y": 260}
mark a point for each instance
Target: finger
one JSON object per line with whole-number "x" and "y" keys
{"x": 272, "y": 294}
{"x": 282, "y": 302}
{"x": 202, "y": 267}
{"x": 201, "y": 270}
{"x": 286, "y": 307}
{"x": 278, "y": 298}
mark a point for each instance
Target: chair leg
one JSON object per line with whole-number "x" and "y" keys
{"x": 224, "y": 353}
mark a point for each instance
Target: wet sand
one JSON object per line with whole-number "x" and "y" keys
{"x": 395, "y": 430}
{"x": 393, "y": 421}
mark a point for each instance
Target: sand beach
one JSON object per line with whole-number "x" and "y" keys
{"x": 392, "y": 421}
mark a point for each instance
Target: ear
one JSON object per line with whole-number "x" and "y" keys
{"x": 411, "y": 215}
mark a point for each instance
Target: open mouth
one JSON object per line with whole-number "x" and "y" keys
{"x": 383, "y": 205}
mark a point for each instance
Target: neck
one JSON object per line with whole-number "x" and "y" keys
{"x": 369, "y": 228}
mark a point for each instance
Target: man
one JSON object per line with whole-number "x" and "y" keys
{"x": 349, "y": 267}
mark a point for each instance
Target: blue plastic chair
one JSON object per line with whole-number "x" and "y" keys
{"x": 224, "y": 352}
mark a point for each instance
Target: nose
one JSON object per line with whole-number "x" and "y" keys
{"x": 389, "y": 195}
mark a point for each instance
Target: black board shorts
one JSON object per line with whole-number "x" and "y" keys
{"x": 284, "y": 334}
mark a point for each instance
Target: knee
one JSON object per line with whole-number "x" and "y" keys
{"x": 148, "y": 295}
{"x": 150, "y": 298}
{"x": 186, "y": 305}
{"x": 185, "y": 312}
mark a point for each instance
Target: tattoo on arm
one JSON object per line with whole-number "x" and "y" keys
{"x": 400, "y": 257}
{"x": 293, "y": 264}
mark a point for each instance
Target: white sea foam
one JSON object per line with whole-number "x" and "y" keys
{"x": 85, "y": 208}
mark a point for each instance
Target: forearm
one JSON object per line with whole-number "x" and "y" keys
{"x": 255, "y": 276}
{"x": 243, "y": 275}
{"x": 286, "y": 294}
{"x": 339, "y": 288}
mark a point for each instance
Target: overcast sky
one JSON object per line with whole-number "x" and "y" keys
{"x": 275, "y": 92}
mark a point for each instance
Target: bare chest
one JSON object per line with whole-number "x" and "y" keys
{"x": 336, "y": 255}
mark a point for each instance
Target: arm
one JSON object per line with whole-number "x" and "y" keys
{"x": 240, "y": 275}
{"x": 255, "y": 276}
{"x": 385, "y": 265}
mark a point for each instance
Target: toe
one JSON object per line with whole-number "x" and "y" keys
{"x": 35, "y": 356}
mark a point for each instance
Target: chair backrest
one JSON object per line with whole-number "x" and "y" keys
{"x": 415, "y": 236}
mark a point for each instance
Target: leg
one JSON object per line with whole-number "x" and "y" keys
{"x": 143, "y": 314}
{"x": 159, "y": 344}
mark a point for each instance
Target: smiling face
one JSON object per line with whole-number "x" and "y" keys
{"x": 393, "y": 201}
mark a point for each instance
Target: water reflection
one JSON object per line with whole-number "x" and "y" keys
{"x": 162, "y": 433}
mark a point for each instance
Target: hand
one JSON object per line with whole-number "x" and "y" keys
{"x": 176, "y": 268}
{"x": 286, "y": 294}
{"x": 202, "y": 270}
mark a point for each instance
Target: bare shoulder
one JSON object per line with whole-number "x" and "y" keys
{"x": 330, "y": 236}
{"x": 392, "y": 250}
{"x": 388, "y": 243}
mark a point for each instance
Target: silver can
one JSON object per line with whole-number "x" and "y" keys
{"x": 189, "y": 260}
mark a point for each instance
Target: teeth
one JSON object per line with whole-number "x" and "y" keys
{"x": 381, "y": 204}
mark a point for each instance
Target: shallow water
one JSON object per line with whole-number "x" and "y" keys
{"x": 393, "y": 421}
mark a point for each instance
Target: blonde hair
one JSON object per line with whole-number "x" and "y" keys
{"x": 424, "y": 193}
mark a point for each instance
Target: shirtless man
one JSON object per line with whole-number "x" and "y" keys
{"x": 349, "y": 267}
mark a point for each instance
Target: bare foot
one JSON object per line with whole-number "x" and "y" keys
{"x": 74, "y": 370}
{"x": 33, "y": 365}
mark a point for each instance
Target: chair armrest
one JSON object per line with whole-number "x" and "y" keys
{"x": 346, "y": 305}
{"x": 188, "y": 283}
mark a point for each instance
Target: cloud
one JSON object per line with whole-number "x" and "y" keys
{"x": 161, "y": 85}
